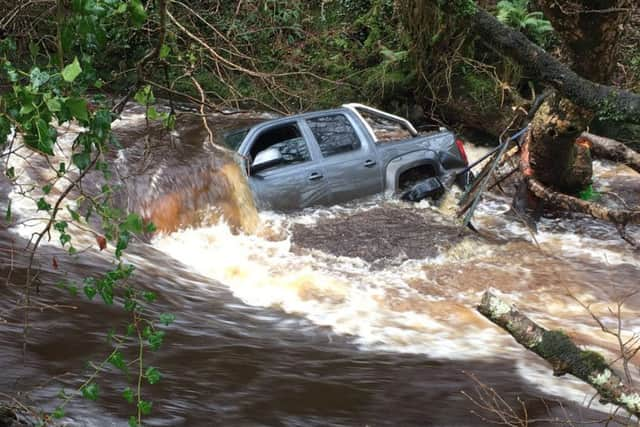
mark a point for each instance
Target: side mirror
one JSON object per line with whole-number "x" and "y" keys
{"x": 267, "y": 158}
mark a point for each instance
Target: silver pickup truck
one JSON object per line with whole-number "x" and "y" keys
{"x": 333, "y": 156}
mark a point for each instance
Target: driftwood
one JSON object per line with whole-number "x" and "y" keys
{"x": 563, "y": 355}
{"x": 611, "y": 149}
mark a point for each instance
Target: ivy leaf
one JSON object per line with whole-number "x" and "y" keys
{"x": 128, "y": 395}
{"x": 58, "y": 413}
{"x": 90, "y": 391}
{"x": 133, "y": 224}
{"x": 117, "y": 360}
{"x": 152, "y": 375}
{"x": 90, "y": 291}
{"x": 81, "y": 160}
{"x": 167, "y": 318}
{"x": 74, "y": 214}
{"x": 38, "y": 78}
{"x": 145, "y": 407}
{"x": 149, "y": 296}
{"x": 72, "y": 71}
{"x": 78, "y": 108}
{"x": 43, "y": 205}
{"x": 54, "y": 105}
{"x": 46, "y": 189}
{"x": 155, "y": 339}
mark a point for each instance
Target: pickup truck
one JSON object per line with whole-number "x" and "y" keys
{"x": 333, "y": 156}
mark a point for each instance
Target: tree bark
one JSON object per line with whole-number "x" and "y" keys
{"x": 563, "y": 355}
{"x": 590, "y": 31}
{"x": 555, "y": 157}
{"x": 545, "y": 68}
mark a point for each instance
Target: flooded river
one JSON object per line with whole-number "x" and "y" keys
{"x": 354, "y": 315}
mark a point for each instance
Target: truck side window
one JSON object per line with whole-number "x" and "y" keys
{"x": 287, "y": 139}
{"x": 334, "y": 134}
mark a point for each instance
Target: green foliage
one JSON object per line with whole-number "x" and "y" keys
{"x": 45, "y": 92}
{"x": 515, "y": 13}
{"x": 589, "y": 193}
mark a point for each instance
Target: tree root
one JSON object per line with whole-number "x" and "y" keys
{"x": 565, "y": 357}
{"x": 620, "y": 217}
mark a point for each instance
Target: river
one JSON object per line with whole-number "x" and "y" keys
{"x": 354, "y": 315}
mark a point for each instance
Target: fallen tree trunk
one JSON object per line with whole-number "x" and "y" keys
{"x": 543, "y": 67}
{"x": 611, "y": 149}
{"x": 563, "y": 355}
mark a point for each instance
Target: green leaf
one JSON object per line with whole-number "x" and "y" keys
{"x": 78, "y": 108}
{"x": 72, "y": 71}
{"x": 81, "y": 160}
{"x": 47, "y": 189}
{"x": 11, "y": 172}
{"x": 128, "y": 395}
{"x": 58, "y": 413}
{"x": 133, "y": 421}
{"x": 145, "y": 96}
{"x": 150, "y": 227}
{"x": 164, "y": 51}
{"x": 90, "y": 291}
{"x": 38, "y": 78}
{"x": 74, "y": 214}
{"x": 137, "y": 13}
{"x": 131, "y": 329}
{"x": 167, "y": 318}
{"x": 90, "y": 391}
{"x": 61, "y": 226}
{"x": 155, "y": 339}
{"x": 54, "y": 105}
{"x": 145, "y": 407}
{"x": 152, "y": 113}
{"x": 7, "y": 215}
{"x": 43, "y": 205}
{"x": 152, "y": 375}
{"x": 117, "y": 360}
{"x": 133, "y": 224}
{"x": 149, "y": 296}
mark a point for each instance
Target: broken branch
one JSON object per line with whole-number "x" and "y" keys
{"x": 563, "y": 355}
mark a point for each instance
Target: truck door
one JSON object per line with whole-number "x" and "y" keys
{"x": 350, "y": 161}
{"x": 297, "y": 180}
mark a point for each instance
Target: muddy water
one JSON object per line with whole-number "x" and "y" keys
{"x": 361, "y": 314}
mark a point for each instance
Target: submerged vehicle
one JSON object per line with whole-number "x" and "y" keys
{"x": 334, "y": 156}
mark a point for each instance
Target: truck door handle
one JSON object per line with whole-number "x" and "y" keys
{"x": 315, "y": 176}
{"x": 369, "y": 163}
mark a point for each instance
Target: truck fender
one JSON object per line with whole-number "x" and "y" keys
{"x": 403, "y": 163}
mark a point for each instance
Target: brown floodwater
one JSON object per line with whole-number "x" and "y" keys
{"x": 355, "y": 315}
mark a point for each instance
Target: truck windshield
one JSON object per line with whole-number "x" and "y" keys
{"x": 233, "y": 139}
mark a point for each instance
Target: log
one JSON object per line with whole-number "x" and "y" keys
{"x": 543, "y": 67}
{"x": 611, "y": 149}
{"x": 563, "y": 355}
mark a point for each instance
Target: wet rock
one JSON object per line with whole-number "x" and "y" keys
{"x": 381, "y": 235}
